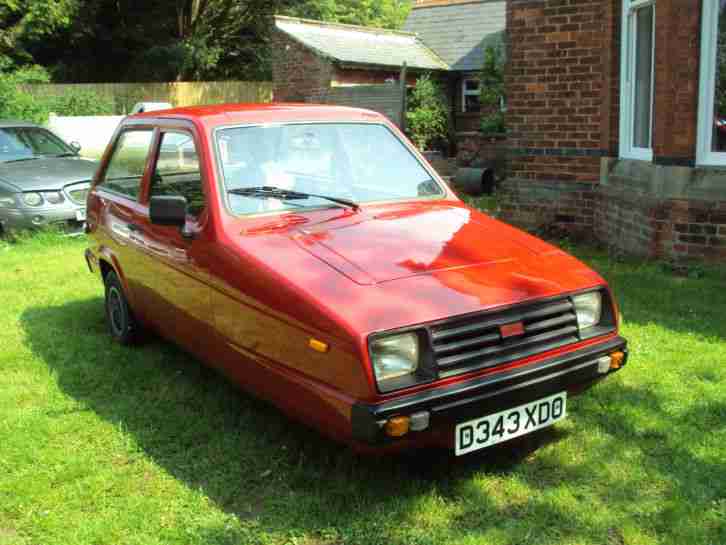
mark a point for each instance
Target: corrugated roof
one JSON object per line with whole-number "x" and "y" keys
{"x": 361, "y": 45}
{"x": 459, "y": 33}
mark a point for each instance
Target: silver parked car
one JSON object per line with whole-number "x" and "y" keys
{"x": 43, "y": 181}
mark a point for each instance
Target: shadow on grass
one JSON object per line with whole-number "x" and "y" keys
{"x": 276, "y": 476}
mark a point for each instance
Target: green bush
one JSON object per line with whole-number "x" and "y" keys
{"x": 493, "y": 123}
{"x": 15, "y": 103}
{"x": 427, "y": 116}
{"x": 81, "y": 102}
{"x": 492, "y": 91}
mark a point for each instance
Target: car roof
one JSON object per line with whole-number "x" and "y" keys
{"x": 4, "y": 123}
{"x": 273, "y": 112}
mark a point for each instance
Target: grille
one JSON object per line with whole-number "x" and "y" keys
{"x": 78, "y": 192}
{"x": 476, "y": 342}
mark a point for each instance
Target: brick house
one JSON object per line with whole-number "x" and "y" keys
{"x": 443, "y": 37}
{"x": 312, "y": 57}
{"x": 617, "y": 122}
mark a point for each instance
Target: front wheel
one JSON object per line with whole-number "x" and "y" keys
{"x": 121, "y": 322}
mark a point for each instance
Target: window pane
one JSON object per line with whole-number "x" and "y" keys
{"x": 642, "y": 122}
{"x": 126, "y": 168}
{"x": 719, "y": 116}
{"x": 22, "y": 142}
{"x": 472, "y": 103}
{"x": 471, "y": 84}
{"x": 177, "y": 171}
{"x": 471, "y": 95}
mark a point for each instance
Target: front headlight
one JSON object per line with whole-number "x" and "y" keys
{"x": 53, "y": 197}
{"x": 395, "y": 356}
{"x": 32, "y": 199}
{"x": 588, "y": 307}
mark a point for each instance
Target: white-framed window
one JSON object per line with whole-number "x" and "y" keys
{"x": 712, "y": 102}
{"x": 637, "y": 79}
{"x": 470, "y": 95}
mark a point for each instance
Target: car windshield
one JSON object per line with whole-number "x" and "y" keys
{"x": 355, "y": 162}
{"x": 19, "y": 143}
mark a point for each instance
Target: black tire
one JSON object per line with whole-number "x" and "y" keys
{"x": 120, "y": 319}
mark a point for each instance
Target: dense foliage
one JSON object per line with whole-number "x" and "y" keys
{"x": 720, "y": 98}
{"x": 427, "y": 116}
{"x": 17, "y": 104}
{"x": 161, "y": 40}
{"x": 491, "y": 80}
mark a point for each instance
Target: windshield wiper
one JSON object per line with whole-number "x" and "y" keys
{"x": 271, "y": 192}
{"x": 23, "y": 159}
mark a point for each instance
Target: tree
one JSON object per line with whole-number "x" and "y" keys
{"x": 162, "y": 40}
{"x": 491, "y": 83}
{"x": 427, "y": 118}
{"x": 25, "y": 22}
{"x": 374, "y": 13}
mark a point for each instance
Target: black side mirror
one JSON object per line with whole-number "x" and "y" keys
{"x": 168, "y": 210}
{"x": 75, "y": 146}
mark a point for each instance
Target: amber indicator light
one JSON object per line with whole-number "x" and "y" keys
{"x": 616, "y": 360}
{"x": 397, "y": 426}
{"x": 318, "y": 346}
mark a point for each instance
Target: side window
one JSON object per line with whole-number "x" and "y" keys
{"x": 126, "y": 167}
{"x": 177, "y": 171}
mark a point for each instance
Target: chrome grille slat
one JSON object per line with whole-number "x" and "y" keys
{"x": 475, "y": 342}
{"x": 482, "y": 339}
{"x": 551, "y": 322}
{"x": 451, "y": 360}
{"x": 493, "y": 362}
{"x": 504, "y": 318}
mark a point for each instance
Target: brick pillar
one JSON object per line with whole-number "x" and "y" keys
{"x": 560, "y": 92}
{"x": 677, "y": 54}
{"x": 610, "y": 105}
{"x": 556, "y": 86}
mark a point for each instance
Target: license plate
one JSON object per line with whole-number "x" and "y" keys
{"x": 494, "y": 428}
{"x": 80, "y": 215}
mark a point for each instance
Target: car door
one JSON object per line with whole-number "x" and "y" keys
{"x": 120, "y": 210}
{"x": 175, "y": 282}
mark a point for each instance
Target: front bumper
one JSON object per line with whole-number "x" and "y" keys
{"x": 64, "y": 217}
{"x": 573, "y": 372}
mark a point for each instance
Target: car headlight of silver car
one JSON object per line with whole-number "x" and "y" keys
{"x": 395, "y": 356}
{"x": 588, "y": 308}
{"x": 32, "y": 199}
{"x": 53, "y": 197}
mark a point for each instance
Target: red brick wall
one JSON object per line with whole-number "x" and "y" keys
{"x": 298, "y": 73}
{"x": 636, "y": 223}
{"x": 556, "y": 87}
{"x": 610, "y": 105}
{"x": 677, "y": 54}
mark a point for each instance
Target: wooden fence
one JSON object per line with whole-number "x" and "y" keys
{"x": 385, "y": 99}
{"x": 125, "y": 95}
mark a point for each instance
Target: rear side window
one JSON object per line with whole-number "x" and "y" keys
{"x": 177, "y": 171}
{"x": 126, "y": 167}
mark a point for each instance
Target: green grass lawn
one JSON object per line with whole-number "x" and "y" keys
{"x": 101, "y": 444}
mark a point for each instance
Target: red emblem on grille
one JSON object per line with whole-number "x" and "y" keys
{"x": 511, "y": 330}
